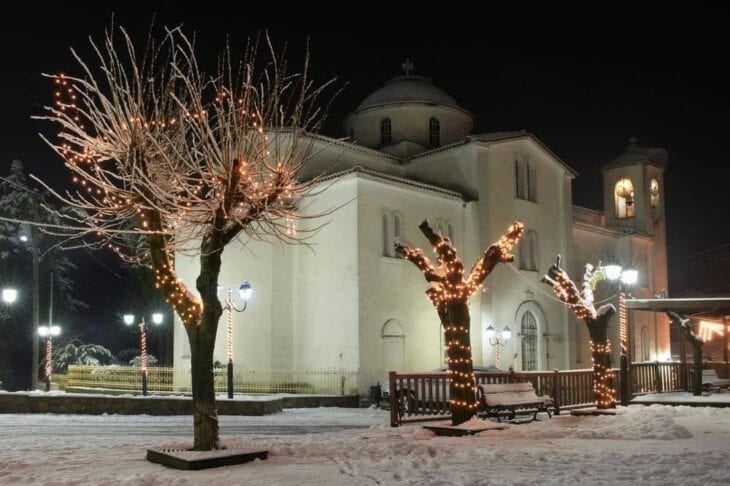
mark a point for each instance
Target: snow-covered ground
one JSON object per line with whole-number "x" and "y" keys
{"x": 655, "y": 444}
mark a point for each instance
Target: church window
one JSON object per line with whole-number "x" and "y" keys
{"x": 525, "y": 179}
{"x": 391, "y": 226}
{"x": 624, "y": 195}
{"x": 645, "y": 353}
{"x": 386, "y": 134}
{"x": 529, "y": 252}
{"x": 654, "y": 193}
{"x": 434, "y": 132}
{"x": 450, "y": 231}
{"x": 528, "y": 333}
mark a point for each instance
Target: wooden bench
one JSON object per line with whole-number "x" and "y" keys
{"x": 711, "y": 380}
{"x": 497, "y": 399}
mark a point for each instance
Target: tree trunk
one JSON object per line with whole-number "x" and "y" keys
{"x": 455, "y": 321}
{"x": 202, "y": 345}
{"x": 603, "y": 386}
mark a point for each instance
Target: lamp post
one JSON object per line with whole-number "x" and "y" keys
{"x": 156, "y": 320}
{"x": 245, "y": 291}
{"x": 498, "y": 340}
{"x": 626, "y": 278}
{"x": 49, "y": 332}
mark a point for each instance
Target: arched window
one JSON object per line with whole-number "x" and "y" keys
{"x": 397, "y": 224}
{"x": 529, "y": 257}
{"x": 528, "y": 333}
{"x": 624, "y": 195}
{"x": 654, "y": 193}
{"x": 386, "y": 134}
{"x": 393, "y": 346}
{"x": 434, "y": 132}
{"x": 530, "y": 181}
{"x": 519, "y": 183}
{"x": 450, "y": 231}
{"x": 387, "y": 243}
{"x": 645, "y": 352}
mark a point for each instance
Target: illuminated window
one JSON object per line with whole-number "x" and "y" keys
{"x": 528, "y": 333}
{"x": 386, "y": 135}
{"x": 654, "y": 193}
{"x": 434, "y": 132}
{"x": 624, "y": 195}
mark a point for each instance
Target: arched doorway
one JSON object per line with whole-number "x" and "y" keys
{"x": 393, "y": 345}
{"x": 531, "y": 347}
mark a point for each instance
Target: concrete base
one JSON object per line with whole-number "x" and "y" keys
{"x": 193, "y": 460}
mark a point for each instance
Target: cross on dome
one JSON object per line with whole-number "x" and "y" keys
{"x": 407, "y": 67}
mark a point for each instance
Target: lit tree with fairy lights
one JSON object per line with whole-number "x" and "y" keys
{"x": 449, "y": 292}
{"x": 582, "y": 304}
{"x": 169, "y": 160}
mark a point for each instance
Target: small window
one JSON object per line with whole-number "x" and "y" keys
{"x": 528, "y": 333}
{"x": 434, "y": 132}
{"x": 654, "y": 193}
{"x": 624, "y": 195}
{"x": 386, "y": 134}
{"x": 391, "y": 226}
{"x": 530, "y": 176}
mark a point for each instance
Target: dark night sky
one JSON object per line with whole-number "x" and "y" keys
{"x": 582, "y": 80}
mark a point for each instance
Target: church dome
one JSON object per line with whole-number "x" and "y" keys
{"x": 408, "y": 89}
{"x": 406, "y": 116}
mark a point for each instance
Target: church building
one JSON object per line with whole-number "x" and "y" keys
{"x": 350, "y": 303}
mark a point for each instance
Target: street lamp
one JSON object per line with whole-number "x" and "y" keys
{"x": 49, "y": 332}
{"x": 9, "y": 295}
{"x": 156, "y": 320}
{"x": 626, "y": 278}
{"x": 498, "y": 339}
{"x": 245, "y": 291}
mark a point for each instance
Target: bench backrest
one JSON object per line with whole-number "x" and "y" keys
{"x": 510, "y": 393}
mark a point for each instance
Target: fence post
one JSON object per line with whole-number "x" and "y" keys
{"x": 394, "y": 418}
{"x": 657, "y": 377}
{"x": 557, "y": 390}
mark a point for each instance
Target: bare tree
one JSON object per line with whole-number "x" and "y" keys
{"x": 582, "y": 304}
{"x": 186, "y": 163}
{"x": 449, "y": 293}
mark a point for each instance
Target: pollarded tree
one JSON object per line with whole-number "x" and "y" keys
{"x": 449, "y": 292}
{"x": 582, "y": 304}
{"x": 188, "y": 161}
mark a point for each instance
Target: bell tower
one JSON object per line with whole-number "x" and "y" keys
{"x": 633, "y": 189}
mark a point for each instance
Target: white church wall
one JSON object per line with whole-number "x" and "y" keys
{"x": 509, "y": 288}
{"x": 393, "y": 289}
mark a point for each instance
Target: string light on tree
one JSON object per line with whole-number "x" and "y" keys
{"x": 449, "y": 291}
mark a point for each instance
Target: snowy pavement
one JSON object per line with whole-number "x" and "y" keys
{"x": 654, "y": 444}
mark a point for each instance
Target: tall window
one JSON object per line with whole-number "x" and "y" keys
{"x": 529, "y": 252}
{"x": 391, "y": 226}
{"x": 624, "y": 195}
{"x": 645, "y": 353}
{"x": 386, "y": 134}
{"x": 525, "y": 180}
{"x": 528, "y": 333}
{"x": 434, "y": 132}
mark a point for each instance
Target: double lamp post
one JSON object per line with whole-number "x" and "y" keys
{"x": 156, "y": 320}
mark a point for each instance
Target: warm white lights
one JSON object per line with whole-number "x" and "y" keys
{"x": 629, "y": 277}
{"x": 9, "y": 295}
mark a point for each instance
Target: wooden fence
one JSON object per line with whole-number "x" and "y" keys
{"x": 419, "y": 397}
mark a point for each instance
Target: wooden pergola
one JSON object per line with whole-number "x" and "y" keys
{"x": 678, "y": 310}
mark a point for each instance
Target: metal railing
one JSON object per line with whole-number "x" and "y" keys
{"x": 162, "y": 379}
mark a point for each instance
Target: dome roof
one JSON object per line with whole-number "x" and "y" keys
{"x": 404, "y": 89}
